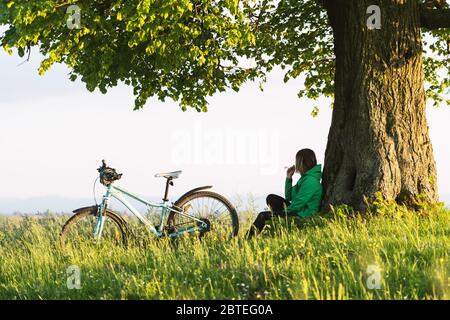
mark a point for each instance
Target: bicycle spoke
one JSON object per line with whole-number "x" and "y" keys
{"x": 216, "y": 212}
{"x": 80, "y": 233}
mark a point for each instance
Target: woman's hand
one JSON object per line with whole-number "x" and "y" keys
{"x": 290, "y": 172}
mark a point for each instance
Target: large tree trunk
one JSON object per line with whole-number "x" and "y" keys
{"x": 378, "y": 140}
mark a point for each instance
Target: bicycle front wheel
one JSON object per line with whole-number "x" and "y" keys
{"x": 78, "y": 232}
{"x": 210, "y": 207}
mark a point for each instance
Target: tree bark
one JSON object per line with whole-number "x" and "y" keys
{"x": 378, "y": 140}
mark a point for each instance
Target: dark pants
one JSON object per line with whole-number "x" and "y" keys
{"x": 276, "y": 203}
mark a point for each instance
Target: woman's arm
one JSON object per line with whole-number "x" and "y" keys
{"x": 288, "y": 183}
{"x": 288, "y": 189}
{"x": 306, "y": 192}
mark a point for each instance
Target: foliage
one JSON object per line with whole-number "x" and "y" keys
{"x": 180, "y": 49}
{"x": 295, "y": 34}
{"x": 187, "y": 50}
{"x": 437, "y": 66}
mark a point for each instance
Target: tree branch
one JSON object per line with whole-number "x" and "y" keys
{"x": 434, "y": 18}
{"x": 65, "y": 4}
{"x": 330, "y": 7}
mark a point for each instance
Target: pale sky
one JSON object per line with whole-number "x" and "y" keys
{"x": 54, "y": 133}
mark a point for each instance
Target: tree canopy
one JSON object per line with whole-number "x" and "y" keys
{"x": 187, "y": 50}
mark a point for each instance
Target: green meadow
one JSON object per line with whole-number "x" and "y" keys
{"x": 389, "y": 253}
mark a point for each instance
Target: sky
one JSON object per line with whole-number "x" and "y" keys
{"x": 54, "y": 134}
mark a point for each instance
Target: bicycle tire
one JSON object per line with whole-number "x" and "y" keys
{"x": 90, "y": 212}
{"x": 180, "y": 203}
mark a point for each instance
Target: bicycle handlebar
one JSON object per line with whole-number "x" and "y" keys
{"x": 108, "y": 175}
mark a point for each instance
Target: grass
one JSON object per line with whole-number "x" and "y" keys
{"x": 330, "y": 256}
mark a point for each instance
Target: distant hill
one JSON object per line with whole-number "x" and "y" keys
{"x": 58, "y": 204}
{"x": 41, "y": 204}
{"x": 446, "y": 199}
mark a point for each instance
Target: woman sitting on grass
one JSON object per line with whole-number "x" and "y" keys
{"x": 302, "y": 199}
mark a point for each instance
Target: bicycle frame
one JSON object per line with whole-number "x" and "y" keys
{"x": 120, "y": 194}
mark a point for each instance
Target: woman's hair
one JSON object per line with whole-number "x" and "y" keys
{"x": 305, "y": 158}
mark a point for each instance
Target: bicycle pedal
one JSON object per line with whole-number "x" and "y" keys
{"x": 170, "y": 229}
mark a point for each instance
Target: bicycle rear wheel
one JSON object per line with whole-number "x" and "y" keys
{"x": 78, "y": 232}
{"x": 210, "y": 207}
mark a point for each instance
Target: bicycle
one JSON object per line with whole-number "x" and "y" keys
{"x": 189, "y": 214}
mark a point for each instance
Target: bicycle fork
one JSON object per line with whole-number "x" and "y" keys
{"x": 100, "y": 218}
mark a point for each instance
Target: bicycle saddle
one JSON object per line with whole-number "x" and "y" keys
{"x": 169, "y": 175}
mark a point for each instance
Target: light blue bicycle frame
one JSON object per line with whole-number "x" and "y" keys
{"x": 120, "y": 194}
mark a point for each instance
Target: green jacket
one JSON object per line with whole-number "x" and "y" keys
{"x": 306, "y": 195}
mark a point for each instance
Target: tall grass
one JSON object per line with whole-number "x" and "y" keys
{"x": 326, "y": 257}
